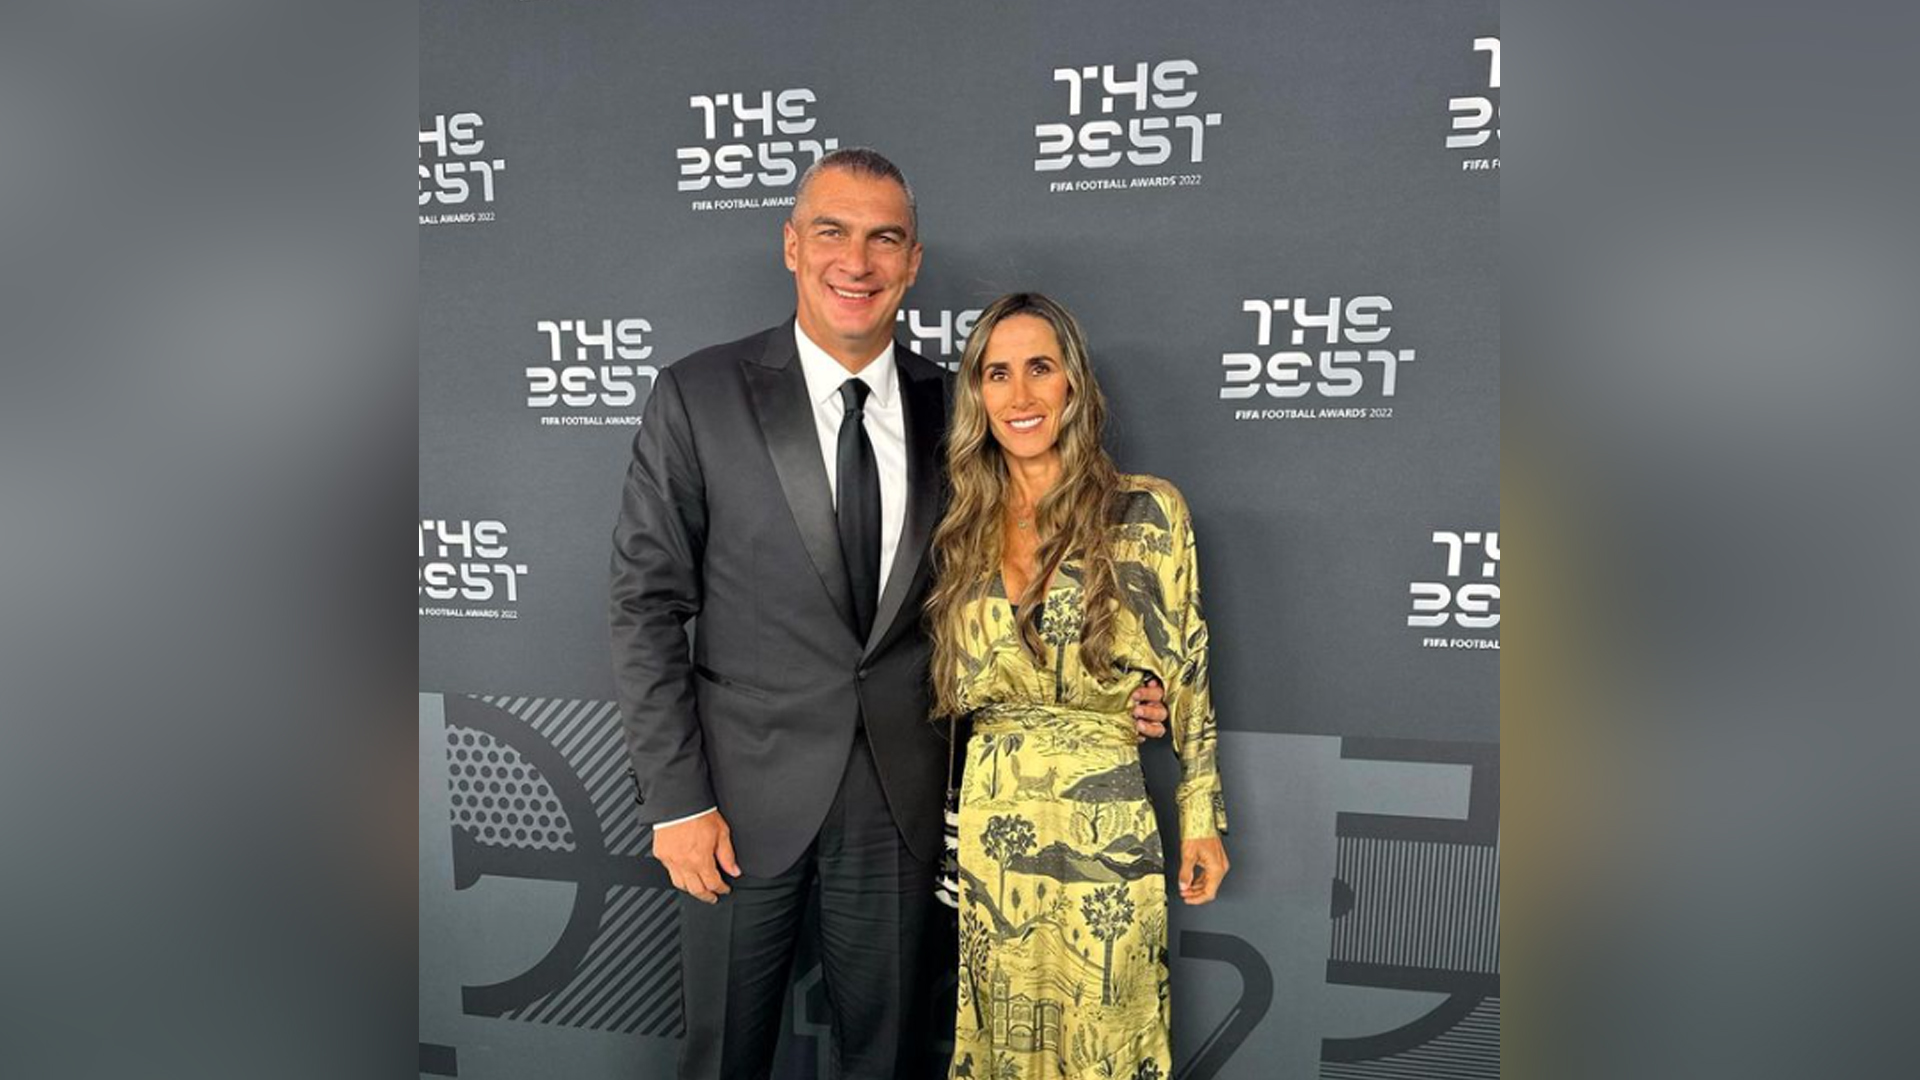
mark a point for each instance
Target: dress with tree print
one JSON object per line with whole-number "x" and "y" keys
{"x": 1063, "y": 874}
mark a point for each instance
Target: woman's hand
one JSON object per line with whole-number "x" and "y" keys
{"x": 1202, "y": 864}
{"x": 1149, "y": 710}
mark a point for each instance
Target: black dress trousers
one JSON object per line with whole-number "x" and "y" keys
{"x": 875, "y": 914}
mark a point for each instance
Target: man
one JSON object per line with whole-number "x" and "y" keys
{"x": 782, "y": 492}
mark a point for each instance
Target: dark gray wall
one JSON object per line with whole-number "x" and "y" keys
{"x": 1348, "y": 534}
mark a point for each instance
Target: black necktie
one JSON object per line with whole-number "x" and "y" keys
{"x": 859, "y": 506}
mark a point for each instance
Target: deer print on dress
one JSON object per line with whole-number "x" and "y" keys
{"x": 1039, "y": 786}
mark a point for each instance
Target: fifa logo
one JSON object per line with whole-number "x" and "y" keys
{"x": 1340, "y": 371}
{"x": 946, "y": 333}
{"x": 455, "y": 172}
{"x": 592, "y": 363}
{"x": 753, "y": 137}
{"x": 1468, "y": 600}
{"x": 1476, "y": 118}
{"x": 1160, "y": 122}
{"x": 466, "y": 560}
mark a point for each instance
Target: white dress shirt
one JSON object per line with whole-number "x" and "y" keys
{"x": 886, "y": 429}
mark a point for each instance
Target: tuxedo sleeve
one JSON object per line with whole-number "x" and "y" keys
{"x": 657, "y": 550}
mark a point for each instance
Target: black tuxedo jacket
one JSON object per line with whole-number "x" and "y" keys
{"x": 727, "y": 520}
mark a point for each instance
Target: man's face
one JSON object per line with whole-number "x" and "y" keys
{"x": 851, "y": 248}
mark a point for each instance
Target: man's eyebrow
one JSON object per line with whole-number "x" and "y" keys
{"x": 891, "y": 229}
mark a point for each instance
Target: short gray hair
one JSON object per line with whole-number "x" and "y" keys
{"x": 861, "y": 161}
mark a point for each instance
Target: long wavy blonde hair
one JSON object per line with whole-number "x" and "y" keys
{"x": 1072, "y": 517}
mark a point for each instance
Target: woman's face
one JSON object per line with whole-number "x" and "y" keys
{"x": 1024, "y": 387}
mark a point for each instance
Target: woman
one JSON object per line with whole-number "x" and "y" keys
{"x": 1060, "y": 583}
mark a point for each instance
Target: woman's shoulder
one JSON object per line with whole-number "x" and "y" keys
{"x": 1150, "y": 500}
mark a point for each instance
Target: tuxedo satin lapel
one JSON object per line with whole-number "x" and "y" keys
{"x": 779, "y": 392}
{"x": 922, "y": 415}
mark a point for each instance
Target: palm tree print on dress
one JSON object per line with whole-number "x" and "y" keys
{"x": 1069, "y": 981}
{"x": 996, "y": 748}
{"x": 1060, "y": 623}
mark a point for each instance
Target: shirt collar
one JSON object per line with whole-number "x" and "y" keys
{"x": 825, "y": 374}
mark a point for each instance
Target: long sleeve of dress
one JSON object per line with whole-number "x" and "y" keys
{"x": 1203, "y": 811}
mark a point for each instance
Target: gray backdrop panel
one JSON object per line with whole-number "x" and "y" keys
{"x": 1349, "y": 543}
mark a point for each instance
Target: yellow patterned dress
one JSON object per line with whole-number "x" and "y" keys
{"x": 1063, "y": 913}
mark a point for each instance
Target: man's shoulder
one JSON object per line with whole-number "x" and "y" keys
{"x": 917, "y": 367}
{"x": 722, "y": 360}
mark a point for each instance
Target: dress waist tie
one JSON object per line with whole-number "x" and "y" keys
{"x": 1102, "y": 728}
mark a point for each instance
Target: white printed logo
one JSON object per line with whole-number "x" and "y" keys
{"x": 453, "y": 172}
{"x": 464, "y": 564}
{"x": 749, "y": 140}
{"x": 1476, "y": 118}
{"x": 945, "y": 335}
{"x": 1470, "y": 601}
{"x": 592, "y": 377}
{"x": 1293, "y": 382}
{"x": 1147, "y": 119}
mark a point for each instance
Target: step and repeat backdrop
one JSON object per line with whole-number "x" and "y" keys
{"x": 1279, "y": 224}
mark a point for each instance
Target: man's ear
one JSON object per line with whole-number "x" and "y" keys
{"x": 913, "y": 263}
{"x": 790, "y": 244}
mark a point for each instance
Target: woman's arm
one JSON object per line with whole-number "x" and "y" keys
{"x": 1203, "y": 812}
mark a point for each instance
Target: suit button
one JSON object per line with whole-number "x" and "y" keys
{"x": 861, "y": 674}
